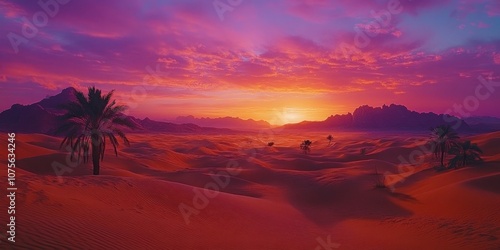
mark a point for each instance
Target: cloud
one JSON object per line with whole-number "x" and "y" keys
{"x": 287, "y": 46}
{"x": 496, "y": 58}
{"x": 482, "y": 25}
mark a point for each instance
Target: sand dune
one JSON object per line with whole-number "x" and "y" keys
{"x": 280, "y": 198}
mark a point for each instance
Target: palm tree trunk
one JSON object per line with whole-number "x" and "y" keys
{"x": 465, "y": 159}
{"x": 442, "y": 158}
{"x": 96, "y": 151}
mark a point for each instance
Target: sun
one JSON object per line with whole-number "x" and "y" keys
{"x": 291, "y": 115}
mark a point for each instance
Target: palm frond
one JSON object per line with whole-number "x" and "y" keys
{"x": 125, "y": 122}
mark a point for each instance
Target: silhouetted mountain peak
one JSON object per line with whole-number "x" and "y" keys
{"x": 68, "y": 90}
{"x": 16, "y": 106}
{"x": 53, "y": 103}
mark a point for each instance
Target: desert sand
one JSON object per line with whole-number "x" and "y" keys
{"x": 276, "y": 197}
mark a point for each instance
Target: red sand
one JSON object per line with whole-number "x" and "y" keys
{"x": 280, "y": 199}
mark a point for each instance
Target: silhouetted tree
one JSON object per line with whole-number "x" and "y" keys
{"x": 465, "y": 153}
{"x": 306, "y": 146}
{"x": 443, "y": 138}
{"x": 362, "y": 151}
{"x": 329, "y": 138}
{"x": 380, "y": 182}
{"x": 270, "y": 144}
{"x": 87, "y": 123}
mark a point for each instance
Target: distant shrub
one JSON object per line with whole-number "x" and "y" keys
{"x": 380, "y": 181}
{"x": 306, "y": 146}
{"x": 329, "y": 138}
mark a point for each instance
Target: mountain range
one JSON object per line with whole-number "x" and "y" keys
{"x": 42, "y": 117}
{"x": 224, "y": 122}
{"x": 396, "y": 117}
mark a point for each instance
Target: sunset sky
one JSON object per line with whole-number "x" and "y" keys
{"x": 252, "y": 59}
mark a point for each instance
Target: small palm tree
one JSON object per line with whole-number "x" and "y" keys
{"x": 270, "y": 144}
{"x": 362, "y": 151}
{"x": 87, "y": 123}
{"x": 443, "y": 138}
{"x": 329, "y": 138}
{"x": 306, "y": 146}
{"x": 381, "y": 180}
{"x": 465, "y": 153}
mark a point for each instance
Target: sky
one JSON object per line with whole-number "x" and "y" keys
{"x": 260, "y": 59}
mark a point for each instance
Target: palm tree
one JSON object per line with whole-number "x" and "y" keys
{"x": 465, "y": 153}
{"x": 306, "y": 146}
{"x": 329, "y": 138}
{"x": 362, "y": 151}
{"x": 443, "y": 138}
{"x": 87, "y": 123}
{"x": 270, "y": 144}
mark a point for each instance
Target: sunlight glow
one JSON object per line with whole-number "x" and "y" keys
{"x": 292, "y": 115}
